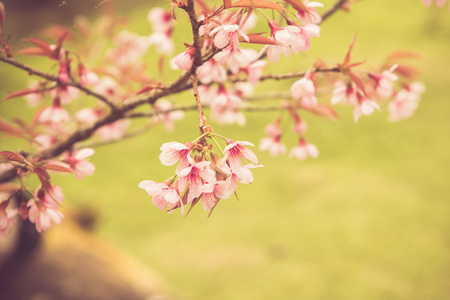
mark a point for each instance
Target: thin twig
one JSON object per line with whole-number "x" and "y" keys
{"x": 334, "y": 9}
{"x": 31, "y": 71}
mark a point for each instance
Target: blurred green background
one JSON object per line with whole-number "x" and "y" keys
{"x": 367, "y": 220}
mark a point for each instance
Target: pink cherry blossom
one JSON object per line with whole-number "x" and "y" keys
{"x": 109, "y": 88}
{"x": 65, "y": 94}
{"x": 163, "y": 43}
{"x": 52, "y": 197}
{"x": 129, "y": 49}
{"x": 166, "y": 118}
{"x": 236, "y": 153}
{"x": 163, "y": 195}
{"x": 222, "y": 190}
{"x": 211, "y": 71}
{"x": 343, "y": 91}
{"x": 304, "y": 150}
{"x": 254, "y": 71}
{"x": 88, "y": 116}
{"x": 44, "y": 141}
{"x": 87, "y": 77}
{"x": 227, "y": 34}
{"x": 365, "y": 106}
{"x": 383, "y": 81}
{"x": 304, "y": 90}
{"x": 173, "y": 152}
{"x": 224, "y": 107}
{"x": 197, "y": 178}
{"x": 42, "y": 215}
{"x": 301, "y": 40}
{"x": 161, "y": 20}
{"x": 113, "y": 131}
{"x": 299, "y": 127}
{"x": 63, "y": 75}
{"x": 310, "y": 16}
{"x": 54, "y": 114}
{"x": 235, "y": 58}
{"x": 285, "y": 36}
{"x": 273, "y": 145}
{"x": 273, "y": 129}
{"x": 185, "y": 60}
{"x": 405, "y": 102}
{"x": 78, "y": 163}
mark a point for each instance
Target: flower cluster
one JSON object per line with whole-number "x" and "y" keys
{"x": 202, "y": 174}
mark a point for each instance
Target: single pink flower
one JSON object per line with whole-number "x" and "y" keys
{"x": 87, "y": 77}
{"x": 54, "y": 114}
{"x": 310, "y": 16}
{"x": 224, "y": 107}
{"x": 163, "y": 195}
{"x": 273, "y": 145}
{"x": 211, "y": 71}
{"x": 78, "y": 163}
{"x": 197, "y": 178}
{"x": 304, "y": 90}
{"x": 163, "y": 43}
{"x": 304, "y": 150}
{"x": 42, "y": 215}
{"x": 284, "y": 36}
{"x": 227, "y": 34}
{"x": 185, "y": 60}
{"x": 365, "y": 106}
{"x": 166, "y": 118}
{"x": 236, "y": 153}
{"x": 161, "y": 20}
{"x": 51, "y": 198}
{"x": 254, "y": 71}
{"x": 65, "y": 94}
{"x": 383, "y": 82}
{"x": 113, "y": 131}
{"x": 343, "y": 91}
{"x": 174, "y": 152}
{"x": 405, "y": 102}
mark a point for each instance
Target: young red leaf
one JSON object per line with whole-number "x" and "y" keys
{"x": 226, "y": 4}
{"x": 404, "y": 54}
{"x": 33, "y": 51}
{"x": 145, "y": 90}
{"x": 347, "y": 57}
{"x": 12, "y": 156}
{"x": 20, "y": 94}
{"x": 258, "y": 4}
{"x": 297, "y": 4}
{"x": 324, "y": 110}
{"x": 407, "y": 71}
{"x": 11, "y": 129}
{"x": 257, "y": 38}
{"x": 40, "y": 43}
{"x": 357, "y": 81}
{"x": 44, "y": 177}
{"x": 58, "y": 167}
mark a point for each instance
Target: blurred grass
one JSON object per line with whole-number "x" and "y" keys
{"x": 368, "y": 220}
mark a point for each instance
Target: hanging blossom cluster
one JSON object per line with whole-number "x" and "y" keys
{"x": 105, "y": 78}
{"x": 43, "y": 205}
{"x": 202, "y": 174}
